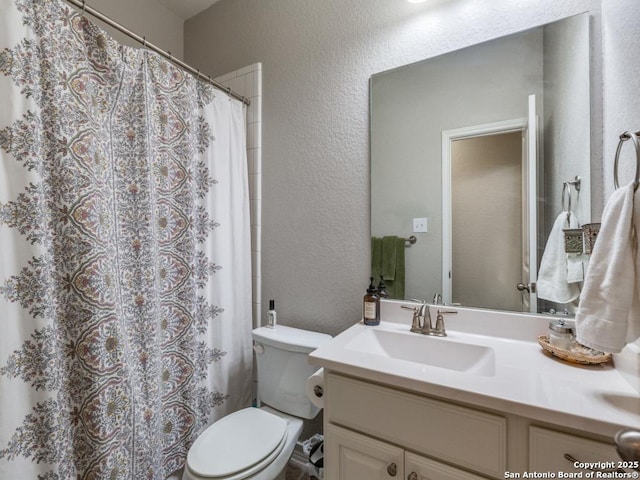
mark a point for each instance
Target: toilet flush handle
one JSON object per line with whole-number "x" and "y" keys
{"x": 258, "y": 348}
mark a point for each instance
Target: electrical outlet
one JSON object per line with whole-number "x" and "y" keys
{"x": 420, "y": 225}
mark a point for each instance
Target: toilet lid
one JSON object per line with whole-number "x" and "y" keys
{"x": 236, "y": 443}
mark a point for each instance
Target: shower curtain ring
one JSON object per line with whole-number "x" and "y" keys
{"x": 144, "y": 42}
{"x": 84, "y": 6}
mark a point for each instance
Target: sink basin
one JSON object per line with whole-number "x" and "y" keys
{"x": 425, "y": 350}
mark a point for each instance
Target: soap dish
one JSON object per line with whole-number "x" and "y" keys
{"x": 578, "y": 353}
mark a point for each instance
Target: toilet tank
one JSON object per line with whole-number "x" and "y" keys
{"x": 283, "y": 368}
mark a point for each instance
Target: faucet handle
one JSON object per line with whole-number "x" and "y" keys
{"x": 417, "y": 313}
{"x": 439, "y": 329}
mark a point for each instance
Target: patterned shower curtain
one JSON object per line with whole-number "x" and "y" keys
{"x": 125, "y": 282}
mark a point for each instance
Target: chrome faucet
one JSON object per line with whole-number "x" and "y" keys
{"x": 421, "y": 321}
{"x": 437, "y": 299}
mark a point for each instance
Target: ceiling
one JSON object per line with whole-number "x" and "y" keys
{"x": 187, "y": 8}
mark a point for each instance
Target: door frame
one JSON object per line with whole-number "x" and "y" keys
{"x": 448, "y": 136}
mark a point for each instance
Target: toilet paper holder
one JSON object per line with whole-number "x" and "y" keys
{"x": 318, "y": 391}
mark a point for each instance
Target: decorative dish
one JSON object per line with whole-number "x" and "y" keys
{"x": 578, "y": 353}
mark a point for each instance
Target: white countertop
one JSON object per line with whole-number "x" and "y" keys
{"x": 526, "y": 381}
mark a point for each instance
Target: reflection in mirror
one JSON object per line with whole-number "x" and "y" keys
{"x": 479, "y": 142}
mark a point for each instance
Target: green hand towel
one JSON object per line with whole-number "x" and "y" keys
{"x": 376, "y": 257}
{"x": 387, "y": 259}
{"x": 395, "y": 287}
{"x": 389, "y": 256}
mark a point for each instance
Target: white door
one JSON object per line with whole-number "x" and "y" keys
{"x": 530, "y": 210}
{"x": 351, "y": 456}
{"x": 529, "y": 128}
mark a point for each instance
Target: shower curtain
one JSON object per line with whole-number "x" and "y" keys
{"x": 125, "y": 282}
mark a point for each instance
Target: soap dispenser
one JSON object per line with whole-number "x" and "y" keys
{"x": 371, "y": 306}
{"x": 382, "y": 288}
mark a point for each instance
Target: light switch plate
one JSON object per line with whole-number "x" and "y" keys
{"x": 420, "y": 225}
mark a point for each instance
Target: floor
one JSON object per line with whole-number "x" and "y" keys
{"x": 298, "y": 471}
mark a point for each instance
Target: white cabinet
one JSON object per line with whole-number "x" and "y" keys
{"x": 353, "y": 456}
{"x": 374, "y": 431}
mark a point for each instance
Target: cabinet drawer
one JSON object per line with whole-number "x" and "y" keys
{"x": 422, "y": 468}
{"x": 460, "y": 435}
{"x": 548, "y": 447}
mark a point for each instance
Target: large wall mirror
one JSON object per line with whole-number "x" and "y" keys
{"x": 480, "y": 142}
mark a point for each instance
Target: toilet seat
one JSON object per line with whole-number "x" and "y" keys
{"x": 238, "y": 445}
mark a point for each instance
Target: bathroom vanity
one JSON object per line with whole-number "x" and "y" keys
{"x": 484, "y": 402}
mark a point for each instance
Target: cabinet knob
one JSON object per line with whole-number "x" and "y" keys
{"x": 412, "y": 476}
{"x": 392, "y": 469}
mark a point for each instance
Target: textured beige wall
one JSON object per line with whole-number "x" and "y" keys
{"x": 317, "y": 59}
{"x": 620, "y": 36}
{"x": 148, "y": 19}
{"x": 566, "y": 111}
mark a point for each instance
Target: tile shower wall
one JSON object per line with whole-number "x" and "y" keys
{"x": 247, "y": 81}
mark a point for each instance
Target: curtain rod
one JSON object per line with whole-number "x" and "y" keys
{"x": 82, "y": 5}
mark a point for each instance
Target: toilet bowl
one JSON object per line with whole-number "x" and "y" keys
{"x": 257, "y": 443}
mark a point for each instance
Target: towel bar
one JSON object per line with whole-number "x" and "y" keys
{"x": 623, "y": 138}
{"x": 412, "y": 240}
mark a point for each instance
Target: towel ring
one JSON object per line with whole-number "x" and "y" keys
{"x": 624, "y": 137}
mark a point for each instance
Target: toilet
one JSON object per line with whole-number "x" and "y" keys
{"x": 257, "y": 443}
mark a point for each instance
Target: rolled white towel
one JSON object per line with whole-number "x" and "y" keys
{"x": 608, "y": 316}
{"x": 553, "y": 283}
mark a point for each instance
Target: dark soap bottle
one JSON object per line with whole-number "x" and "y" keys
{"x": 371, "y": 306}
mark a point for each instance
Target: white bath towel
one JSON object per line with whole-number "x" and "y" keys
{"x": 608, "y": 314}
{"x": 552, "y": 281}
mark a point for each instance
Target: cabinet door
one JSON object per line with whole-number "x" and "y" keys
{"x": 351, "y": 456}
{"x": 422, "y": 468}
